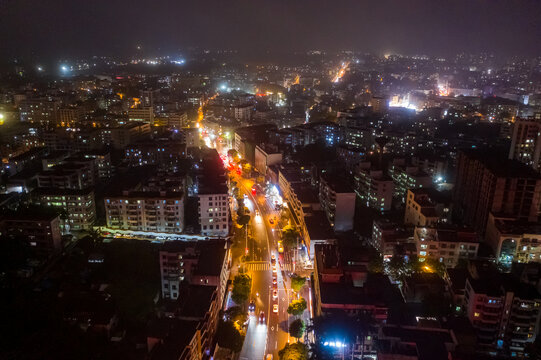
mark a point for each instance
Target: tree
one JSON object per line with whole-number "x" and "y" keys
{"x": 235, "y": 313}
{"x": 296, "y": 351}
{"x": 243, "y": 220}
{"x": 297, "y": 307}
{"x": 297, "y": 282}
{"x": 228, "y": 336}
{"x": 296, "y": 329}
{"x": 290, "y": 236}
{"x": 375, "y": 265}
{"x": 241, "y": 288}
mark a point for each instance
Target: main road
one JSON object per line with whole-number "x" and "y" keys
{"x": 272, "y": 335}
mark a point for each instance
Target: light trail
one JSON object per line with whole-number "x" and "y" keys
{"x": 341, "y": 72}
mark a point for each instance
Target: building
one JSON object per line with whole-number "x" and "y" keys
{"x": 213, "y": 196}
{"x": 145, "y": 115}
{"x": 487, "y": 184}
{"x": 504, "y": 311}
{"x": 122, "y": 136}
{"x": 338, "y": 201}
{"x": 497, "y": 109}
{"x": 204, "y": 263}
{"x": 374, "y": 187}
{"x": 396, "y": 342}
{"x": 41, "y": 111}
{"x": 70, "y": 116}
{"x": 427, "y": 207}
{"x": 102, "y": 161}
{"x": 351, "y": 156}
{"x": 408, "y": 177}
{"x": 342, "y": 284}
{"x": 266, "y": 155}
{"x": 39, "y": 229}
{"x": 243, "y": 113}
{"x": 513, "y": 240}
{"x": 446, "y": 245}
{"x": 391, "y": 239}
{"x": 78, "y": 205}
{"x": 150, "y": 211}
{"x": 68, "y": 176}
{"x": 526, "y": 142}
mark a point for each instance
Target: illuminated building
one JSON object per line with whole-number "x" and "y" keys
{"x": 374, "y": 187}
{"x": 526, "y": 142}
{"x": 145, "y": 115}
{"x": 78, "y": 205}
{"x": 151, "y": 211}
{"x": 426, "y": 207}
{"x": 445, "y": 245}
{"x": 40, "y": 111}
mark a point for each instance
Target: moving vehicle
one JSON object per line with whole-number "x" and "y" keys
{"x": 257, "y": 213}
{"x": 274, "y": 281}
{"x": 253, "y": 190}
{"x": 271, "y": 221}
{"x": 274, "y": 270}
{"x": 275, "y": 286}
{"x": 275, "y": 308}
{"x": 273, "y": 260}
{"x": 280, "y": 247}
{"x": 274, "y": 294}
{"x": 262, "y": 317}
{"x": 251, "y": 307}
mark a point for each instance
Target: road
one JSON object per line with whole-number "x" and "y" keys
{"x": 268, "y": 338}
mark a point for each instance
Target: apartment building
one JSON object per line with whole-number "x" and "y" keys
{"x": 68, "y": 176}
{"x": 374, "y": 187}
{"x": 338, "y": 201}
{"x": 407, "y": 177}
{"x": 160, "y": 211}
{"x": 447, "y": 246}
{"x": 487, "y": 184}
{"x": 78, "y": 205}
{"x": 526, "y": 142}
{"x": 427, "y": 207}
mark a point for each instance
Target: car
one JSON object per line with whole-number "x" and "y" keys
{"x": 273, "y": 261}
{"x": 280, "y": 247}
{"x": 275, "y": 308}
{"x": 257, "y": 213}
{"x": 271, "y": 221}
{"x": 275, "y": 286}
{"x": 245, "y": 196}
{"x": 274, "y": 269}
{"x": 269, "y": 357}
{"x": 274, "y": 294}
{"x": 254, "y": 191}
{"x": 274, "y": 281}
{"x": 251, "y": 307}
{"x": 262, "y": 317}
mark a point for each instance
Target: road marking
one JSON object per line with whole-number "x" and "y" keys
{"x": 276, "y": 344}
{"x": 272, "y": 328}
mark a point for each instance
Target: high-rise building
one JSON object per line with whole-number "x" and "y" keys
{"x": 374, "y": 187}
{"x": 526, "y": 142}
{"x": 486, "y": 183}
{"x": 338, "y": 201}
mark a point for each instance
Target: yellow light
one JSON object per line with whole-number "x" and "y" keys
{"x": 1, "y": 119}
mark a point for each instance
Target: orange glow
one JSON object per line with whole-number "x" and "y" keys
{"x": 341, "y": 72}
{"x": 297, "y": 80}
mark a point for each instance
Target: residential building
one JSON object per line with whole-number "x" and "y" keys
{"x": 160, "y": 212}
{"x": 122, "y": 136}
{"x": 338, "y": 201}
{"x": 41, "y": 111}
{"x": 487, "y": 184}
{"x": 526, "y": 142}
{"x": 212, "y": 193}
{"x": 374, "y": 187}
{"x": 391, "y": 239}
{"x": 39, "y": 229}
{"x": 68, "y": 176}
{"x": 408, "y": 177}
{"x": 504, "y": 311}
{"x": 513, "y": 240}
{"x": 145, "y": 115}
{"x": 77, "y": 205}
{"x": 266, "y": 155}
{"x": 427, "y": 207}
{"x": 446, "y": 245}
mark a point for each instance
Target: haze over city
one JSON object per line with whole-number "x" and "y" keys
{"x": 270, "y": 180}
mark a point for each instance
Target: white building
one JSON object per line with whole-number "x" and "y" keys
{"x": 160, "y": 212}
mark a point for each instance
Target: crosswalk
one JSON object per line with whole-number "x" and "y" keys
{"x": 266, "y": 266}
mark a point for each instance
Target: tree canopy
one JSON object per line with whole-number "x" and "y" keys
{"x": 296, "y": 351}
{"x": 241, "y": 288}
{"x": 228, "y": 336}
{"x": 296, "y": 329}
{"x": 297, "y": 307}
{"x": 297, "y": 282}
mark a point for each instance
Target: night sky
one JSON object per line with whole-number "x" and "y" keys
{"x": 57, "y": 28}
